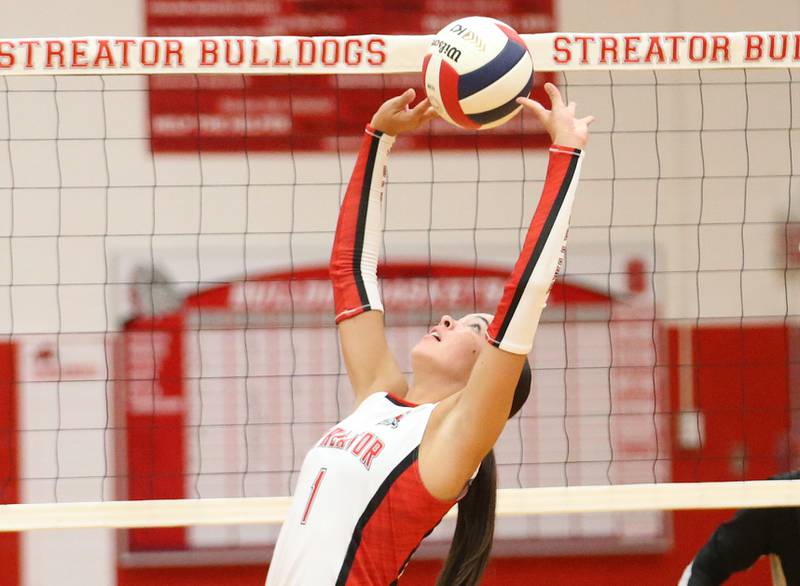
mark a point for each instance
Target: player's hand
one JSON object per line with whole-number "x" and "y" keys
{"x": 395, "y": 116}
{"x": 560, "y": 121}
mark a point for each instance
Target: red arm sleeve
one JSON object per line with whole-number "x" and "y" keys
{"x": 356, "y": 245}
{"x": 525, "y": 293}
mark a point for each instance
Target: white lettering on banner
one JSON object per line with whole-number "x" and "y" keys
{"x": 219, "y": 124}
{"x": 146, "y": 353}
{"x": 213, "y": 8}
{"x": 387, "y": 53}
{"x": 411, "y": 293}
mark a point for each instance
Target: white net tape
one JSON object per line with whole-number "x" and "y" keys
{"x": 386, "y": 53}
{"x": 510, "y": 503}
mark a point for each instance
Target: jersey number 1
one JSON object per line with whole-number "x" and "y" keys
{"x": 313, "y": 495}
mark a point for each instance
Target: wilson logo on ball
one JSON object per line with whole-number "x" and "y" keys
{"x": 446, "y": 49}
{"x": 475, "y": 70}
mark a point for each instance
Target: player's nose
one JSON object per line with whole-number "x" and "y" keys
{"x": 447, "y": 322}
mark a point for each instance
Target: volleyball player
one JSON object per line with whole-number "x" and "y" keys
{"x": 737, "y": 544}
{"x": 380, "y": 480}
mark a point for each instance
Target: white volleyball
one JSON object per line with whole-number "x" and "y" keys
{"x": 475, "y": 69}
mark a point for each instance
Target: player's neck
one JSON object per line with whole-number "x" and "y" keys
{"x": 430, "y": 387}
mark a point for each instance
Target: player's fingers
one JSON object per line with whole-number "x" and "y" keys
{"x": 538, "y": 110}
{"x": 571, "y": 107}
{"x": 429, "y": 114}
{"x": 530, "y": 103}
{"x": 400, "y": 102}
{"x": 587, "y": 120}
{"x": 421, "y": 108}
{"x": 554, "y": 95}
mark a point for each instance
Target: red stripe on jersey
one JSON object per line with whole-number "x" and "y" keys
{"x": 349, "y": 294}
{"x": 403, "y": 517}
{"x": 559, "y": 176}
{"x": 400, "y": 401}
{"x": 448, "y": 89}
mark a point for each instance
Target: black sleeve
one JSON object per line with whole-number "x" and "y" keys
{"x": 734, "y": 546}
{"x": 738, "y": 543}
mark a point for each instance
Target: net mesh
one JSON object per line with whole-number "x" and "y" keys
{"x": 164, "y": 285}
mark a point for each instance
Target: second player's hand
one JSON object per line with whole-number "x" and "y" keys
{"x": 560, "y": 121}
{"x": 394, "y": 116}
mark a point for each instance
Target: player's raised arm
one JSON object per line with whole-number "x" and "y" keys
{"x": 354, "y": 259}
{"x": 480, "y": 411}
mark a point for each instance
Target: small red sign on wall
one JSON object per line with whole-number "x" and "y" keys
{"x": 311, "y": 112}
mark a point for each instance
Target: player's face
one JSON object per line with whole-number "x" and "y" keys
{"x": 452, "y": 346}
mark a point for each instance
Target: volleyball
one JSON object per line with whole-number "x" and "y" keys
{"x": 474, "y": 70}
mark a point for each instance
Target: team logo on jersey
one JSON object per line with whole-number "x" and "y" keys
{"x": 392, "y": 422}
{"x": 363, "y": 445}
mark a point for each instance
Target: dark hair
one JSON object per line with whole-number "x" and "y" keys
{"x": 472, "y": 540}
{"x": 522, "y": 391}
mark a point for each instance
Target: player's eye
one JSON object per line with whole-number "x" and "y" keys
{"x": 477, "y": 328}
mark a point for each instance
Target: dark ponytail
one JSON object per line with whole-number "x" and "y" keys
{"x": 472, "y": 540}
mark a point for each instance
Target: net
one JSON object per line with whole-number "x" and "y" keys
{"x": 168, "y": 318}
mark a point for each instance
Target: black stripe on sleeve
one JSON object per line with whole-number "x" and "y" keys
{"x": 537, "y": 250}
{"x": 373, "y": 505}
{"x": 361, "y": 223}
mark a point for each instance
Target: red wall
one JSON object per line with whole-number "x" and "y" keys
{"x": 9, "y": 490}
{"x": 740, "y": 384}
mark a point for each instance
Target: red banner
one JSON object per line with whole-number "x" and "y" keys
{"x": 312, "y": 112}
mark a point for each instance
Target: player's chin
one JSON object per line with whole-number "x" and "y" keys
{"x": 422, "y": 346}
{"x": 426, "y": 348}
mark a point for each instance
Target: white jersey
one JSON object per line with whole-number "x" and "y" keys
{"x": 360, "y": 508}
